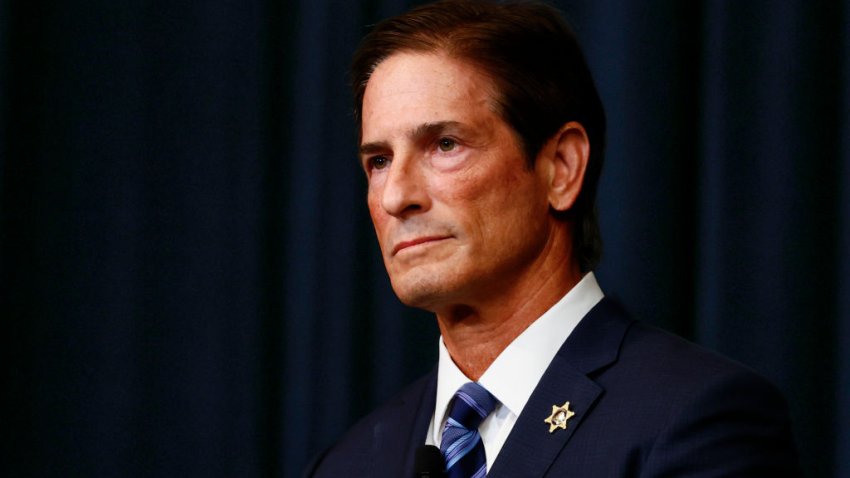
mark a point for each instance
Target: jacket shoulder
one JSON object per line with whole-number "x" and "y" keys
{"x": 696, "y": 409}
{"x": 378, "y": 444}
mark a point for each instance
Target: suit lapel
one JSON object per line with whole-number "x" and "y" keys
{"x": 423, "y": 414}
{"x": 530, "y": 448}
{"x": 396, "y": 438}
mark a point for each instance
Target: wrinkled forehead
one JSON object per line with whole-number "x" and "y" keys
{"x": 410, "y": 88}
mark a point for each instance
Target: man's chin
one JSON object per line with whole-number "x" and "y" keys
{"x": 421, "y": 292}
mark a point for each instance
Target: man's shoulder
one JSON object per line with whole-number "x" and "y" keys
{"x": 709, "y": 407}
{"x": 632, "y": 347}
{"x": 654, "y": 364}
{"x": 399, "y": 406}
{"x": 652, "y": 351}
{"x": 665, "y": 404}
{"x": 379, "y": 442}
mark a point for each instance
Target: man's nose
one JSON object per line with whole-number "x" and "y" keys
{"x": 405, "y": 188}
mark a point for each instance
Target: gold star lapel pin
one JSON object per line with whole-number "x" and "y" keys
{"x": 559, "y": 417}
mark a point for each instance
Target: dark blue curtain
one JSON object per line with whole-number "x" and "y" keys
{"x": 189, "y": 281}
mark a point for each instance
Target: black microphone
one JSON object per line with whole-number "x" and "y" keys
{"x": 429, "y": 462}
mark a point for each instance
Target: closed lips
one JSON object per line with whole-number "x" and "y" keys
{"x": 415, "y": 242}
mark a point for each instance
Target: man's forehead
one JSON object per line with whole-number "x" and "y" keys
{"x": 411, "y": 93}
{"x": 415, "y": 75}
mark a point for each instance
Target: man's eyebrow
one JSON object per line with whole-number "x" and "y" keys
{"x": 428, "y": 130}
{"x": 375, "y": 147}
{"x": 417, "y": 134}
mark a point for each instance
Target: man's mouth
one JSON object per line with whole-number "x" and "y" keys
{"x": 415, "y": 242}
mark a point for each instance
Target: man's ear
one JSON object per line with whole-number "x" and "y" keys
{"x": 563, "y": 161}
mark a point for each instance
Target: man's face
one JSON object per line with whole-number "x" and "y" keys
{"x": 458, "y": 214}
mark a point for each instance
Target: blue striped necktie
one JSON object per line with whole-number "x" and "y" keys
{"x": 461, "y": 444}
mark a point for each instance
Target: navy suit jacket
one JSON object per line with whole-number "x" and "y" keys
{"x": 646, "y": 404}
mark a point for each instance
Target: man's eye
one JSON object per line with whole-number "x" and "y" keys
{"x": 446, "y": 144}
{"x": 378, "y": 162}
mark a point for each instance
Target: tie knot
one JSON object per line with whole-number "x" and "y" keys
{"x": 471, "y": 405}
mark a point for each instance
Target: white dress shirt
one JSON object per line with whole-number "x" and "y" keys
{"x": 516, "y": 371}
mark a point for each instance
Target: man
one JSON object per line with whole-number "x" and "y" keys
{"x": 481, "y": 137}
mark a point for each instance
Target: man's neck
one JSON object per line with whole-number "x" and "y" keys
{"x": 476, "y": 335}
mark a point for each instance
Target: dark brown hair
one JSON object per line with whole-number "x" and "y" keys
{"x": 536, "y": 65}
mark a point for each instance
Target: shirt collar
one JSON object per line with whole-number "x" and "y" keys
{"x": 514, "y": 375}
